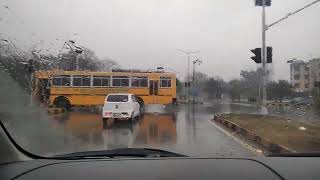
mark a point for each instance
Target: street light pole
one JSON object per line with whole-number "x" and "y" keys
{"x": 193, "y": 82}
{"x": 188, "y": 53}
{"x": 188, "y": 78}
{"x": 77, "y": 61}
{"x": 77, "y": 50}
{"x": 193, "y": 79}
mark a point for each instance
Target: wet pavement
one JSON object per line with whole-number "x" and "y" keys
{"x": 184, "y": 129}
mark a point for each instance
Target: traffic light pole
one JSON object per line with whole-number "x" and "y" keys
{"x": 264, "y": 55}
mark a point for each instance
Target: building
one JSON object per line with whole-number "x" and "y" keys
{"x": 299, "y": 75}
{"x": 314, "y": 65}
{"x": 304, "y": 75}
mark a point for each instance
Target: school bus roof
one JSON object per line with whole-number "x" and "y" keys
{"x": 47, "y": 74}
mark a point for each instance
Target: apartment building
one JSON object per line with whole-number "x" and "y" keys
{"x": 304, "y": 75}
{"x": 314, "y": 65}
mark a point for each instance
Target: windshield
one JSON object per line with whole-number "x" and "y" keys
{"x": 117, "y": 98}
{"x": 209, "y": 78}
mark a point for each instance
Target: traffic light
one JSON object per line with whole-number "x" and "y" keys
{"x": 257, "y": 53}
{"x": 269, "y": 54}
{"x": 260, "y": 2}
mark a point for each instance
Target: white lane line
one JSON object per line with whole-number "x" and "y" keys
{"x": 252, "y": 149}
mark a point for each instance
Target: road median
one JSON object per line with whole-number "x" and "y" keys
{"x": 273, "y": 134}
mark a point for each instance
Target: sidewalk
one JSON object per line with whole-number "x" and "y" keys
{"x": 296, "y": 136}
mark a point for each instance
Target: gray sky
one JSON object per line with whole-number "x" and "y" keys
{"x": 146, "y": 33}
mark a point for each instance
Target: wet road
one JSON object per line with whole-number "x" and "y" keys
{"x": 184, "y": 129}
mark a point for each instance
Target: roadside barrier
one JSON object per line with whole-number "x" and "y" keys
{"x": 269, "y": 103}
{"x": 278, "y": 104}
{"x": 53, "y": 111}
{"x": 267, "y": 144}
{"x": 245, "y": 102}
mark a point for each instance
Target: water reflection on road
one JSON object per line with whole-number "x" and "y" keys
{"x": 184, "y": 129}
{"x": 88, "y": 132}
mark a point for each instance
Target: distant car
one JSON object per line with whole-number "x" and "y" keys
{"x": 121, "y": 106}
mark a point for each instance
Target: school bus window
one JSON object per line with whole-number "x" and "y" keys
{"x": 61, "y": 81}
{"x": 81, "y": 80}
{"x": 165, "y": 82}
{"x": 120, "y": 81}
{"x": 56, "y": 81}
{"x": 137, "y": 81}
{"x": 101, "y": 80}
{"x": 66, "y": 81}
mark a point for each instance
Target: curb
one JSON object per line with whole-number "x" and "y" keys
{"x": 53, "y": 111}
{"x": 270, "y": 146}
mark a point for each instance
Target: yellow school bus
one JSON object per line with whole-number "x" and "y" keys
{"x": 85, "y": 88}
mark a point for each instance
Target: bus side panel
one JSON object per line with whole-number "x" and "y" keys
{"x": 87, "y": 90}
{"x": 96, "y": 96}
{"x": 157, "y": 99}
{"x": 139, "y": 91}
{"x": 81, "y": 100}
{"x": 86, "y": 100}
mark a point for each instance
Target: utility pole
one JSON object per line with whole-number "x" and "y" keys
{"x": 188, "y": 53}
{"x": 197, "y": 61}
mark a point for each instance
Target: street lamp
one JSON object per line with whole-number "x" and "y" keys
{"x": 76, "y": 49}
{"x": 188, "y": 53}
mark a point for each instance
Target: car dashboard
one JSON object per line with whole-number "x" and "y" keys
{"x": 164, "y": 168}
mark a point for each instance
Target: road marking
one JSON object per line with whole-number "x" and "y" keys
{"x": 251, "y": 148}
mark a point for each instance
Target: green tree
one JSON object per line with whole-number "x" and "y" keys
{"x": 316, "y": 97}
{"x": 279, "y": 89}
{"x": 236, "y": 89}
{"x": 179, "y": 85}
{"x": 251, "y": 81}
{"x": 87, "y": 60}
{"x": 107, "y": 64}
{"x": 215, "y": 87}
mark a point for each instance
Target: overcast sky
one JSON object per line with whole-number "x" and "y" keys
{"x": 147, "y": 33}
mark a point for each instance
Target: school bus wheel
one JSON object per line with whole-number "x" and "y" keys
{"x": 62, "y": 102}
